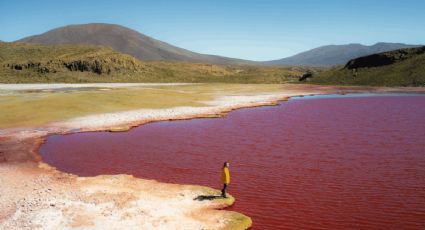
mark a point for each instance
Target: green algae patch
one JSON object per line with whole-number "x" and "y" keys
{"x": 237, "y": 221}
{"x": 119, "y": 129}
{"x": 233, "y": 220}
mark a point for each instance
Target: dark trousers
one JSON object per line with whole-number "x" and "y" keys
{"x": 224, "y": 191}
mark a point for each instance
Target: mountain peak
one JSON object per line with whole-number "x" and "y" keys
{"x": 125, "y": 40}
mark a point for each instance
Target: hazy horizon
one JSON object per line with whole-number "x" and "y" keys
{"x": 250, "y": 30}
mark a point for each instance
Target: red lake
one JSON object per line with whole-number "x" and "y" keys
{"x": 323, "y": 162}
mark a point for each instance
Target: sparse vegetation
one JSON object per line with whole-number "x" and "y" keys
{"x": 29, "y": 63}
{"x": 405, "y": 67}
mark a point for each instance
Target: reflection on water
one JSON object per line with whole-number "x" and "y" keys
{"x": 334, "y": 163}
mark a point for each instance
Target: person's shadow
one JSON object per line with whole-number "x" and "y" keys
{"x": 207, "y": 197}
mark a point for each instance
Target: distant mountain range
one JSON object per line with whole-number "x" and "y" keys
{"x": 336, "y": 54}
{"x": 125, "y": 40}
{"x": 29, "y": 63}
{"x": 143, "y": 47}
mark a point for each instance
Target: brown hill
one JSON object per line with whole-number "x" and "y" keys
{"x": 126, "y": 41}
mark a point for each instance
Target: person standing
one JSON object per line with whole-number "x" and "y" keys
{"x": 225, "y": 178}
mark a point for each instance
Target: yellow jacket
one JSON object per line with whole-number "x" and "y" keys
{"x": 225, "y": 175}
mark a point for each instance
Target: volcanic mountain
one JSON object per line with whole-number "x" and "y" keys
{"x": 125, "y": 40}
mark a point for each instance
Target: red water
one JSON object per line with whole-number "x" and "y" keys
{"x": 329, "y": 163}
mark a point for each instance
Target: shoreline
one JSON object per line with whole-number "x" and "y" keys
{"x": 19, "y": 149}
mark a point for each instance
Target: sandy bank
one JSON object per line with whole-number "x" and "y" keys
{"x": 57, "y": 201}
{"x": 35, "y": 196}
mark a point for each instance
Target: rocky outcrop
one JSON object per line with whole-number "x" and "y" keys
{"x": 306, "y": 76}
{"x": 98, "y": 66}
{"x": 386, "y": 58}
{"x": 331, "y": 55}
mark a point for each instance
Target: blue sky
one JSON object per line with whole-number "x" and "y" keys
{"x": 256, "y": 30}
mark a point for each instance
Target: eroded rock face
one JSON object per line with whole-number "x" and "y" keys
{"x": 95, "y": 66}
{"x": 386, "y": 58}
{"x": 98, "y": 66}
